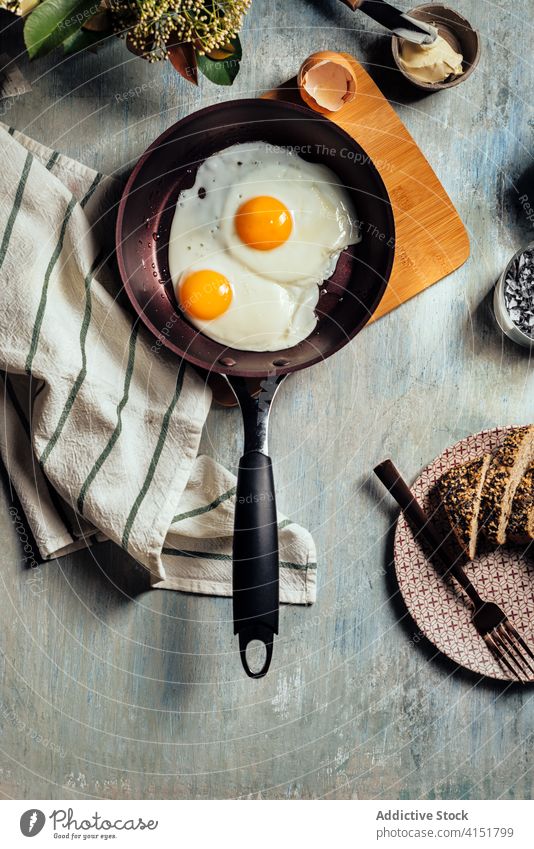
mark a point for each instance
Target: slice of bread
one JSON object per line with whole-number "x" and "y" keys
{"x": 508, "y": 466}
{"x": 461, "y": 489}
{"x": 520, "y": 528}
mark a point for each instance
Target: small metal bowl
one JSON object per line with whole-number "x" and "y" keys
{"x": 455, "y": 29}
{"x": 500, "y": 309}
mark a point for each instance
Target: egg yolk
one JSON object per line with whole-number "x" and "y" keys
{"x": 263, "y": 223}
{"x": 205, "y": 294}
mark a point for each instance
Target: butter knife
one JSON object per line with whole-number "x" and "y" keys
{"x": 394, "y": 20}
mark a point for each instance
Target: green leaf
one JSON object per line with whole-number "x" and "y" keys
{"x": 82, "y": 40}
{"x": 222, "y": 71}
{"x": 53, "y": 22}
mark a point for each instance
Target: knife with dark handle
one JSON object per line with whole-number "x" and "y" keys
{"x": 394, "y": 20}
{"x": 503, "y": 640}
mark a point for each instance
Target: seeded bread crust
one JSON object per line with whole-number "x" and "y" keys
{"x": 507, "y": 467}
{"x": 460, "y": 489}
{"x": 520, "y": 528}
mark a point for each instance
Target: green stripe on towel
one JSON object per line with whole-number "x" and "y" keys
{"x": 207, "y": 508}
{"x": 118, "y": 427}
{"x": 198, "y": 511}
{"x": 52, "y": 161}
{"x": 15, "y": 208}
{"x": 206, "y": 555}
{"x": 89, "y": 194}
{"x": 81, "y": 374}
{"x": 155, "y": 458}
{"x": 42, "y": 303}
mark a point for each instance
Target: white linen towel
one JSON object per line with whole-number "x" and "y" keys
{"x": 98, "y": 434}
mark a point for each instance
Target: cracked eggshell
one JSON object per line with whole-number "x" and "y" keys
{"x": 326, "y": 82}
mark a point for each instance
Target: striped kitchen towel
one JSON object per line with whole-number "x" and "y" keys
{"x": 99, "y": 435}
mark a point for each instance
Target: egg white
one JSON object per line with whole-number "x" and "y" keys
{"x": 274, "y": 292}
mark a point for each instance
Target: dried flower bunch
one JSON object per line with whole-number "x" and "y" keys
{"x": 150, "y": 25}
{"x": 191, "y": 33}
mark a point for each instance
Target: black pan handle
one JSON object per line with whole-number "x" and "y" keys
{"x": 255, "y": 557}
{"x": 255, "y": 547}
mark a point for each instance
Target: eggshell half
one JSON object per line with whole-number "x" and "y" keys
{"x": 326, "y": 82}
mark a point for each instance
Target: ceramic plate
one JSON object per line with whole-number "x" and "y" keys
{"x": 439, "y": 607}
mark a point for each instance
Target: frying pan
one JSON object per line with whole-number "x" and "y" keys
{"x": 347, "y": 301}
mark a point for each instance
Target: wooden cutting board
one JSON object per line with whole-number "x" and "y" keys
{"x": 431, "y": 240}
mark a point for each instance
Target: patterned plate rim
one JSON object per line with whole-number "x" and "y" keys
{"x": 403, "y": 530}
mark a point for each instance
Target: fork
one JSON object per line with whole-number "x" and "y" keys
{"x": 503, "y": 640}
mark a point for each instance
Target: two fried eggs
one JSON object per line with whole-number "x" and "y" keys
{"x": 252, "y": 240}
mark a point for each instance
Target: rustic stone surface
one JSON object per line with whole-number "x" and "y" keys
{"x": 108, "y": 697}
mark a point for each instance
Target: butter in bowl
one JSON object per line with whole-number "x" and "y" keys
{"x": 449, "y": 60}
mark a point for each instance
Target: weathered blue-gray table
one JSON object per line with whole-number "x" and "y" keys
{"x": 104, "y": 696}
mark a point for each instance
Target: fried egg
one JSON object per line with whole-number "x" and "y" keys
{"x": 252, "y": 240}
